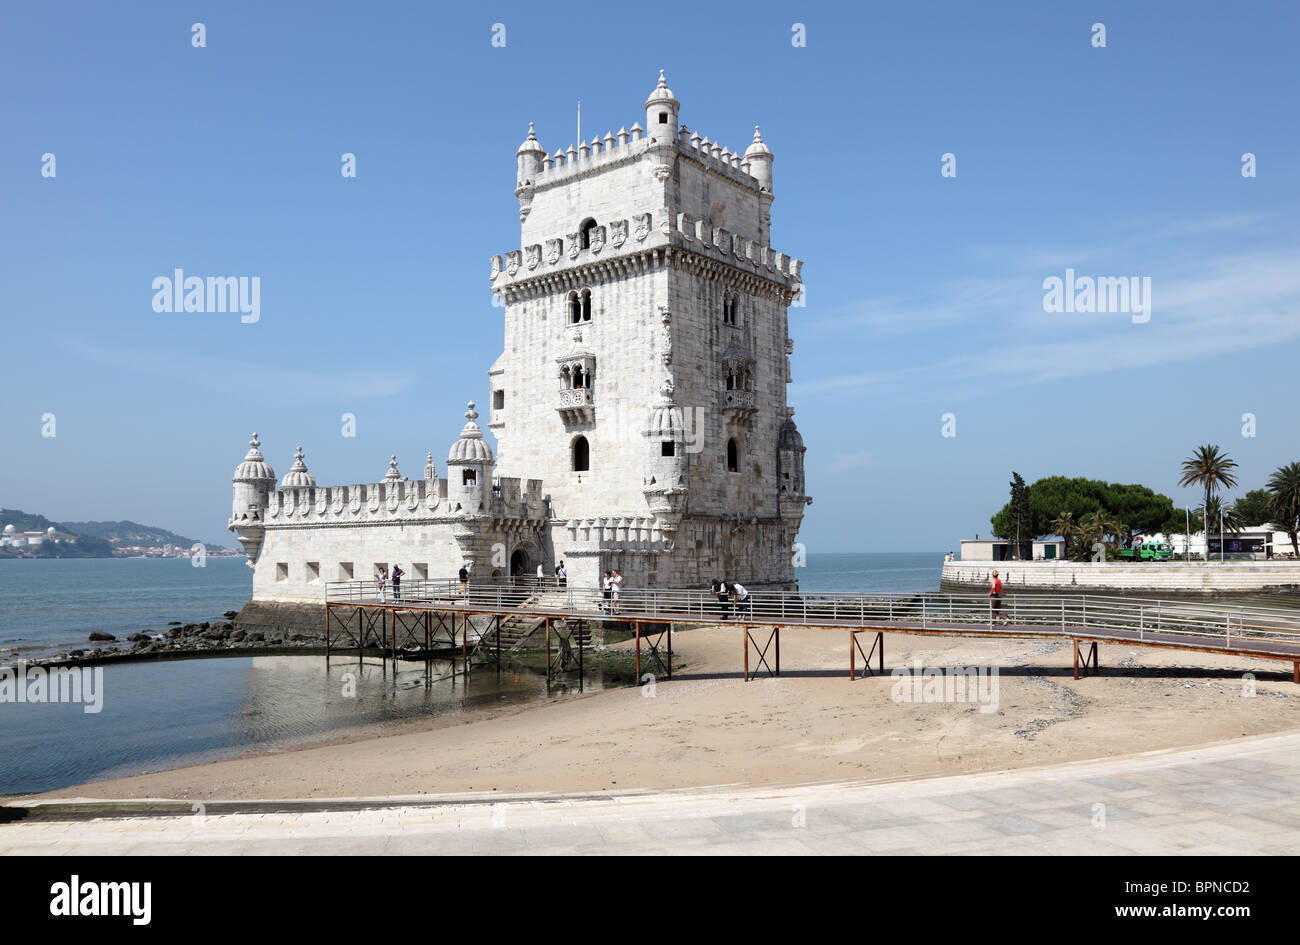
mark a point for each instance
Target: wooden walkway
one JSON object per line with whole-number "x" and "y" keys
{"x": 434, "y": 616}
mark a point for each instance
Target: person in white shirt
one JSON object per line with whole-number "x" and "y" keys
{"x": 616, "y": 585}
{"x": 741, "y": 597}
{"x": 541, "y": 574}
{"x": 606, "y": 592}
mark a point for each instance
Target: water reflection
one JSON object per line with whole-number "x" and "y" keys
{"x": 164, "y": 715}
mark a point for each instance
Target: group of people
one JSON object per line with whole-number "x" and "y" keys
{"x": 561, "y": 575}
{"x": 382, "y": 579}
{"x": 611, "y": 585}
{"x": 732, "y": 598}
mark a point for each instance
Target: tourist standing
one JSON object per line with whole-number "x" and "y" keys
{"x": 541, "y": 574}
{"x": 561, "y": 575}
{"x": 741, "y": 597}
{"x": 615, "y": 587}
{"x": 995, "y": 600}
{"x": 397, "y": 582}
{"x": 724, "y": 597}
{"x": 464, "y": 578}
{"x": 381, "y": 578}
{"x": 606, "y": 592}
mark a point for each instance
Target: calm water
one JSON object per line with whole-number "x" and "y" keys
{"x": 163, "y": 715}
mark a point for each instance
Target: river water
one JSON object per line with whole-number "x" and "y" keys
{"x": 167, "y": 714}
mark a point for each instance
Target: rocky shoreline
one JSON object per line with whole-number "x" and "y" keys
{"x": 182, "y": 640}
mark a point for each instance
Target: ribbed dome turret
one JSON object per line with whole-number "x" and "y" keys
{"x": 662, "y": 93}
{"x": 531, "y": 143}
{"x": 298, "y": 476}
{"x": 666, "y": 419}
{"x": 790, "y": 438}
{"x": 254, "y": 468}
{"x": 470, "y": 448}
{"x": 758, "y": 147}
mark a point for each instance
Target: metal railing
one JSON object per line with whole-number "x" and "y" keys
{"x": 1147, "y": 620}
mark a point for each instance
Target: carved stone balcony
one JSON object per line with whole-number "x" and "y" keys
{"x": 739, "y": 405}
{"x": 576, "y": 406}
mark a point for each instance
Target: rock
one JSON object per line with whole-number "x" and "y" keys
{"x": 231, "y": 614}
{"x": 256, "y": 637}
{"x": 205, "y": 626}
{"x": 190, "y": 627}
{"x": 98, "y": 636}
{"x": 174, "y": 623}
{"x": 139, "y": 638}
{"x": 76, "y": 652}
{"x": 238, "y": 636}
{"x": 174, "y": 632}
{"x": 224, "y": 626}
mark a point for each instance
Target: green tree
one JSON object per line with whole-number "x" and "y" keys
{"x": 1253, "y": 508}
{"x": 1284, "y": 502}
{"x": 1138, "y": 507}
{"x": 1020, "y": 514}
{"x": 1210, "y": 513}
{"x": 1208, "y": 468}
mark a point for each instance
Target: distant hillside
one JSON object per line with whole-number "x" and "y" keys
{"x": 129, "y": 533}
{"x": 94, "y": 539}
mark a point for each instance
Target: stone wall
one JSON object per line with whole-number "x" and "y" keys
{"x": 1129, "y": 578}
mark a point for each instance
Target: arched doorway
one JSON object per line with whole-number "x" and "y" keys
{"x": 519, "y": 563}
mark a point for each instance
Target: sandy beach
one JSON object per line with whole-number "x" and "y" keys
{"x": 707, "y": 727}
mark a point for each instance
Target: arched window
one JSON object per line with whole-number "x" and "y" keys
{"x": 730, "y": 309}
{"x": 575, "y": 308}
{"x": 732, "y": 457}
{"x": 586, "y": 305}
{"x": 469, "y": 477}
{"x": 581, "y": 455}
{"x": 584, "y": 231}
{"x": 577, "y": 377}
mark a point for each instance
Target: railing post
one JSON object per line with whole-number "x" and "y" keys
{"x": 923, "y": 611}
{"x": 1141, "y": 622}
{"x": 1062, "y": 613}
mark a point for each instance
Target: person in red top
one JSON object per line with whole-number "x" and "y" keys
{"x": 995, "y": 601}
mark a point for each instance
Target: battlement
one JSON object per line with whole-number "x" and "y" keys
{"x": 602, "y": 153}
{"x": 395, "y": 501}
{"x": 622, "y": 238}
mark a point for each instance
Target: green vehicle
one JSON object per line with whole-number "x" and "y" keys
{"x": 1147, "y": 551}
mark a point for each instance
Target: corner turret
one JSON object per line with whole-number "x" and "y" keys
{"x": 469, "y": 469}
{"x": 661, "y": 113}
{"x": 254, "y": 480}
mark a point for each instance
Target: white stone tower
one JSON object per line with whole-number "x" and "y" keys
{"x": 646, "y": 355}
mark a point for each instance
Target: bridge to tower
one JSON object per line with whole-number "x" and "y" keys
{"x": 358, "y": 615}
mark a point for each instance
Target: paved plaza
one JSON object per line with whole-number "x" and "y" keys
{"x": 1237, "y": 798}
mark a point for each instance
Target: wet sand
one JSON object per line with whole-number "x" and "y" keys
{"x": 707, "y": 727}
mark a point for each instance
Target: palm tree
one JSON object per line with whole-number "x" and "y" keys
{"x": 1208, "y": 467}
{"x": 1065, "y": 526}
{"x": 1232, "y": 521}
{"x": 1284, "y": 501}
{"x": 1095, "y": 526}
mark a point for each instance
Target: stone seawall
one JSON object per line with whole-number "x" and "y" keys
{"x": 1147, "y": 578}
{"x": 282, "y": 619}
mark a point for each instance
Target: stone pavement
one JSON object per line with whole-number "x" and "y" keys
{"x": 1237, "y": 798}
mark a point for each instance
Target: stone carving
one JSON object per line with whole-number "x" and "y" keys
{"x": 553, "y": 250}
{"x": 642, "y": 230}
{"x": 575, "y": 245}
{"x": 532, "y": 256}
{"x": 597, "y": 239}
{"x": 496, "y": 266}
{"x": 722, "y": 240}
{"x": 618, "y": 233}
{"x": 512, "y": 261}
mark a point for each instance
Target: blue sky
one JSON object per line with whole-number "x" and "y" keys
{"x": 924, "y": 293}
